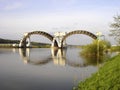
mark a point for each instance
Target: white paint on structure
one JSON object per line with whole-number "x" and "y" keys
{"x": 58, "y": 36}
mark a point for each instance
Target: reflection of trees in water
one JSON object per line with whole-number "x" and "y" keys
{"x": 59, "y": 58}
{"x": 94, "y": 59}
{"x": 75, "y": 64}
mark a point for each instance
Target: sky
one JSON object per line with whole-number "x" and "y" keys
{"x": 20, "y": 16}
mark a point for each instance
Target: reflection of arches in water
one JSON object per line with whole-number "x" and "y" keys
{"x": 25, "y": 54}
{"x": 40, "y": 62}
{"x": 57, "y": 55}
{"x": 59, "y": 58}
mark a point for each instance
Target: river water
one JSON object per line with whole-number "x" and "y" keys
{"x": 45, "y": 68}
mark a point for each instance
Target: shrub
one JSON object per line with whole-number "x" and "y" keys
{"x": 115, "y": 48}
{"x": 96, "y": 46}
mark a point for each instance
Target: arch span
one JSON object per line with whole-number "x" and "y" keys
{"x": 45, "y": 34}
{"x": 78, "y": 32}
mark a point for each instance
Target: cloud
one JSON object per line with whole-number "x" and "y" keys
{"x": 56, "y": 20}
{"x": 64, "y": 2}
{"x": 13, "y": 6}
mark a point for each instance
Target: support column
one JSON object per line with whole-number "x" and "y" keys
{"x": 22, "y": 43}
{"x": 53, "y": 43}
{"x": 28, "y": 43}
{"x": 59, "y": 36}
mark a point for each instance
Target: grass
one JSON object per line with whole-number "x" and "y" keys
{"x": 40, "y": 45}
{"x": 107, "y": 78}
{"x": 115, "y": 48}
{"x": 8, "y": 46}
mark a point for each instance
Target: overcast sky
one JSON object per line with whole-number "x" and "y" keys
{"x": 18, "y": 16}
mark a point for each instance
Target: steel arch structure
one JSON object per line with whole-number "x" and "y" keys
{"x": 45, "y": 34}
{"x": 78, "y": 32}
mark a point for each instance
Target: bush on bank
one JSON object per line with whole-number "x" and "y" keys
{"x": 107, "y": 78}
{"x": 93, "y": 48}
{"x": 115, "y": 48}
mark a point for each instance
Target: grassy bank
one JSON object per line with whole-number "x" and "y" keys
{"x": 40, "y": 45}
{"x": 8, "y": 45}
{"x": 107, "y": 78}
{"x": 115, "y": 48}
{"x": 32, "y": 46}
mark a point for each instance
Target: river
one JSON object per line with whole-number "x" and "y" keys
{"x": 44, "y": 68}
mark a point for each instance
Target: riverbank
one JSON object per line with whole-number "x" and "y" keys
{"x": 107, "y": 78}
{"x": 6, "y": 43}
{"x": 32, "y": 46}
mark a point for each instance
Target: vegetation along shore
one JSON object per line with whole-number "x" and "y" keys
{"x": 6, "y": 43}
{"x": 107, "y": 78}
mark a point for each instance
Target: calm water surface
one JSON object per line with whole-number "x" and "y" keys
{"x": 44, "y": 68}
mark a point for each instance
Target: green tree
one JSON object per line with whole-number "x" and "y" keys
{"x": 115, "y": 31}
